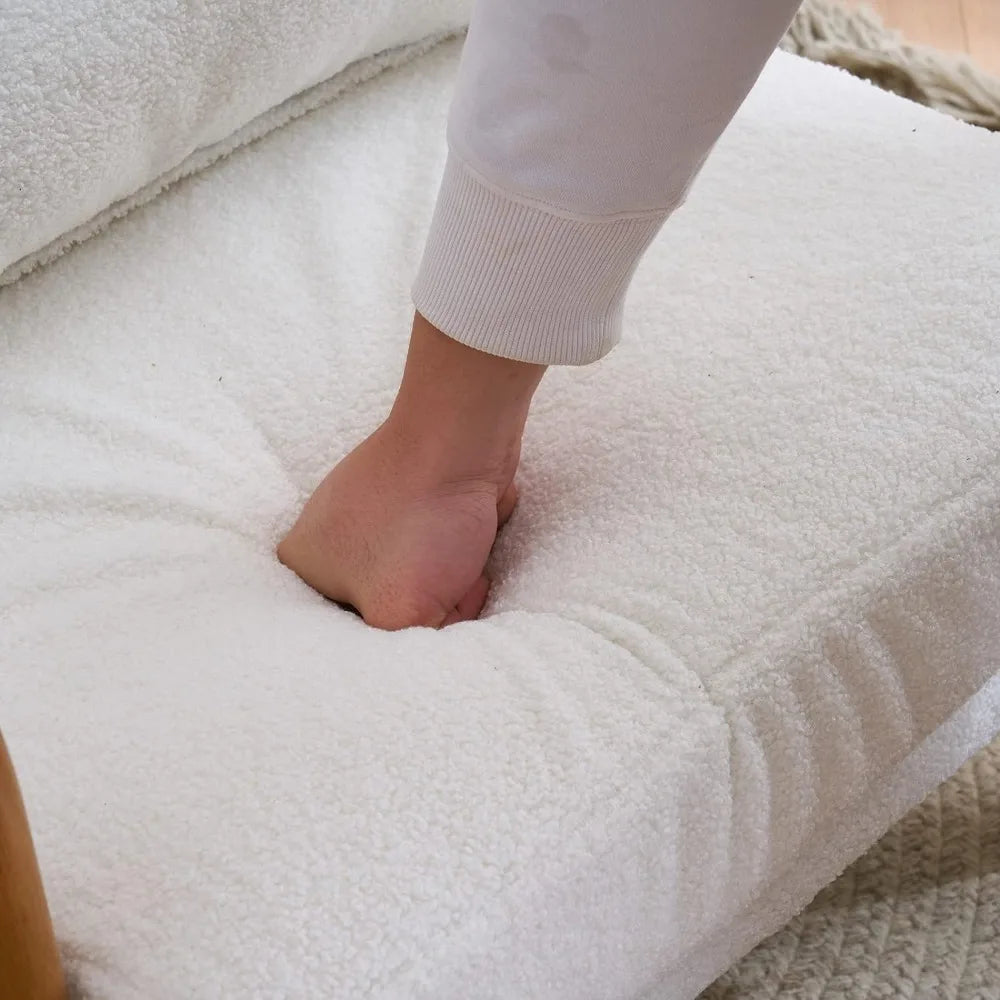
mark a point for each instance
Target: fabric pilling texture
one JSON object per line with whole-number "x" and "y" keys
{"x": 103, "y": 103}
{"x": 745, "y": 617}
{"x": 50, "y": 203}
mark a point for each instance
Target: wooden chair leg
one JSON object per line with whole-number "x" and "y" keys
{"x": 29, "y": 958}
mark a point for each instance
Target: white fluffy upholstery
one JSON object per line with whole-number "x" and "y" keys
{"x": 754, "y": 574}
{"x": 101, "y": 99}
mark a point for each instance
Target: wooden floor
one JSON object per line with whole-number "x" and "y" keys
{"x": 971, "y": 26}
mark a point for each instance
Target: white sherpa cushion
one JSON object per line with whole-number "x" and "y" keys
{"x": 100, "y": 98}
{"x": 753, "y": 577}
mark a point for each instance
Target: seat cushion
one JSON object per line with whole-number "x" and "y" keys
{"x": 746, "y": 614}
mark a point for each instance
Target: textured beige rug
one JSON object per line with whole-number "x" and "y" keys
{"x": 856, "y": 40}
{"x": 917, "y": 917}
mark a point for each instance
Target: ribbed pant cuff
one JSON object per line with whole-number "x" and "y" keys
{"x": 514, "y": 279}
